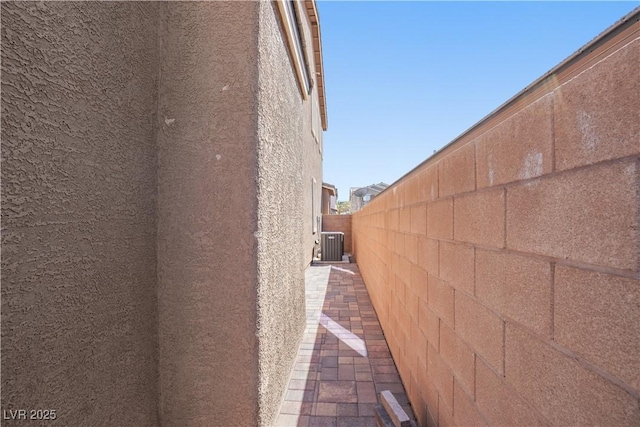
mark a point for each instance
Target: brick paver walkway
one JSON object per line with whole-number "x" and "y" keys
{"x": 343, "y": 361}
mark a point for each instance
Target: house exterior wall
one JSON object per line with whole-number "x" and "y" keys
{"x": 154, "y": 197}
{"x": 339, "y": 223}
{"x": 311, "y": 152}
{"x": 207, "y": 213}
{"x": 356, "y": 203}
{"x": 287, "y": 161}
{"x": 79, "y": 328}
{"x": 329, "y": 200}
{"x": 326, "y": 201}
{"x": 504, "y": 270}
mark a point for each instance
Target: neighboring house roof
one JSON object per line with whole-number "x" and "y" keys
{"x": 312, "y": 13}
{"x": 332, "y": 188}
{"x": 372, "y": 190}
{"x": 361, "y": 196}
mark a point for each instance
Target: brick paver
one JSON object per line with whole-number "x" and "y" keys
{"x": 343, "y": 361}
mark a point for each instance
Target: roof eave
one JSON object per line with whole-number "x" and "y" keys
{"x": 312, "y": 13}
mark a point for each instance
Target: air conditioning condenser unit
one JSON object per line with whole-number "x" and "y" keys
{"x": 332, "y": 245}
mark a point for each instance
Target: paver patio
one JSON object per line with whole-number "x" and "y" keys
{"x": 343, "y": 361}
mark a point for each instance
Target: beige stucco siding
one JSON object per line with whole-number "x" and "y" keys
{"x": 311, "y": 148}
{"x": 78, "y": 211}
{"x": 285, "y": 238}
{"x": 157, "y": 212}
{"x": 207, "y": 213}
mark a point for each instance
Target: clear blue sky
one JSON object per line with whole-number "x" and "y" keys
{"x": 403, "y": 79}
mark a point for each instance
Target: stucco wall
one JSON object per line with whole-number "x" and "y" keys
{"x": 311, "y": 153}
{"x": 504, "y": 270}
{"x": 155, "y": 200}
{"x": 207, "y": 201}
{"x": 287, "y": 159}
{"x": 326, "y": 201}
{"x": 78, "y": 211}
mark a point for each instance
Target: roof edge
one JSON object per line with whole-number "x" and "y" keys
{"x": 312, "y": 13}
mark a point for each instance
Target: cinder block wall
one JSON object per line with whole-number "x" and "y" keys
{"x": 505, "y": 268}
{"x": 339, "y": 223}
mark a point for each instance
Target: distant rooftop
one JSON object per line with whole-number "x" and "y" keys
{"x": 373, "y": 189}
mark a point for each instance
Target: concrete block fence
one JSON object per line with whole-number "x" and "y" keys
{"x": 505, "y": 269}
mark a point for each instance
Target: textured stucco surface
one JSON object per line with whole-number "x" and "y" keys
{"x": 156, "y": 213}
{"x": 78, "y": 211}
{"x": 207, "y": 213}
{"x": 311, "y": 157}
{"x": 286, "y": 160}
